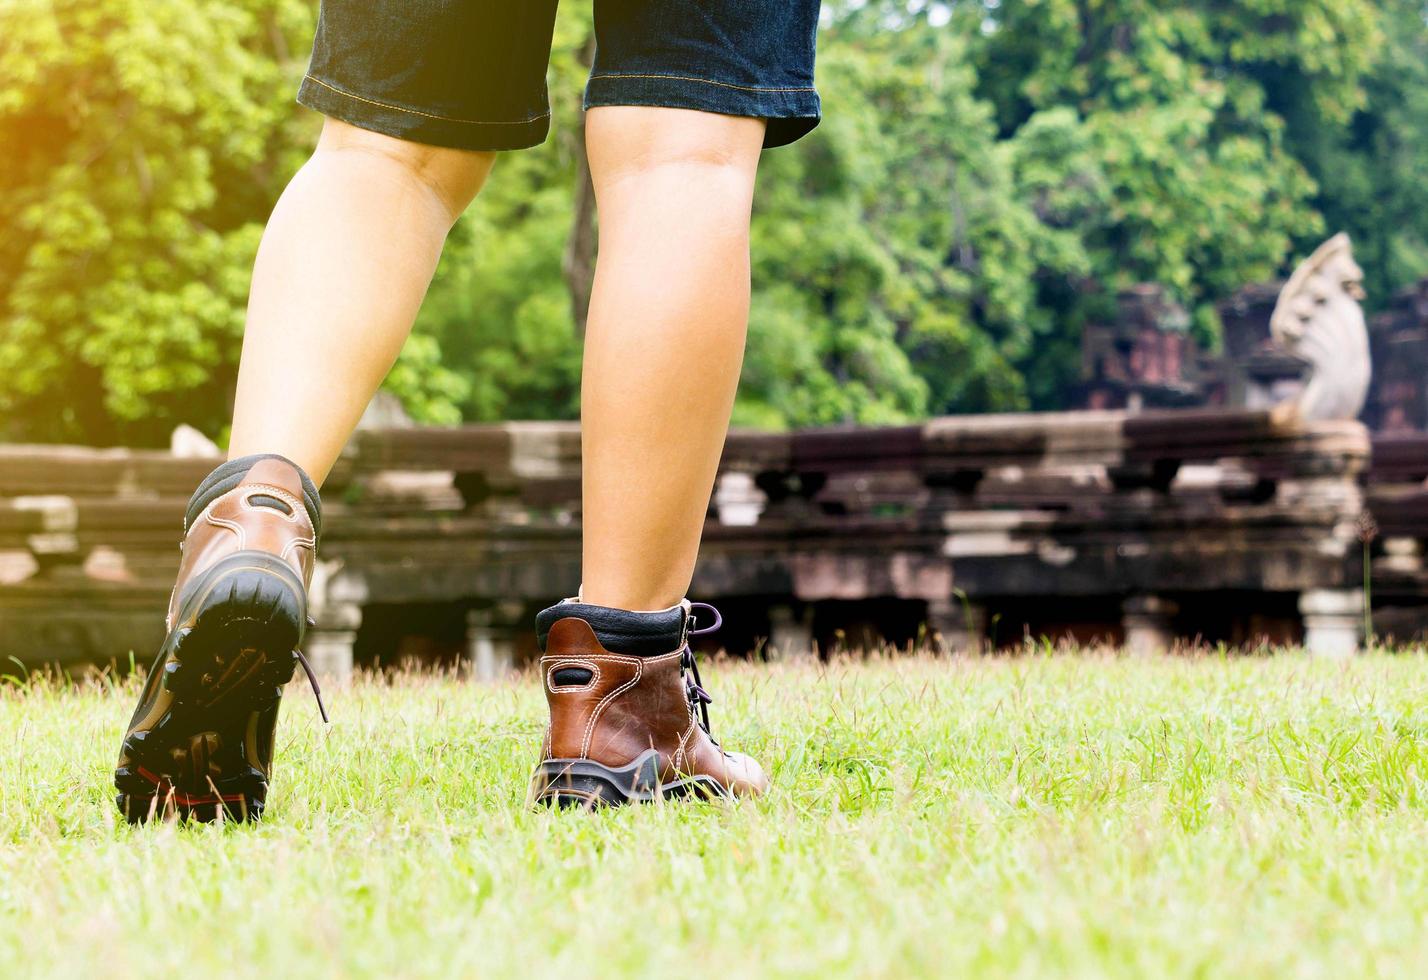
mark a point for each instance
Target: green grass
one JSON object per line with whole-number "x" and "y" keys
{"x": 1046, "y": 815}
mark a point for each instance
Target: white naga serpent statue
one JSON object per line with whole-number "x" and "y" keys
{"x": 1318, "y": 318}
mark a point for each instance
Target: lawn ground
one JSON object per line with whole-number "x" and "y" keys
{"x": 1032, "y": 816}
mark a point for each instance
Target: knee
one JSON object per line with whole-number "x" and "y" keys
{"x": 453, "y": 177}
{"x": 634, "y": 141}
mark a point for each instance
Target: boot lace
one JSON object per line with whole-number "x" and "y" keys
{"x": 699, "y": 699}
{"x": 312, "y": 675}
{"x": 312, "y": 679}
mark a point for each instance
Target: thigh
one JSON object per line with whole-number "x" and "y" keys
{"x": 737, "y": 57}
{"x": 462, "y": 73}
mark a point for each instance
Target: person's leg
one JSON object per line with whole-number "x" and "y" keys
{"x": 342, "y": 269}
{"x": 340, "y": 274}
{"x": 665, "y": 340}
{"x": 682, "y": 98}
{"x": 664, "y": 344}
{"x": 418, "y": 98}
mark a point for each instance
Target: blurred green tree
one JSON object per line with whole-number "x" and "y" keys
{"x": 1166, "y": 105}
{"x": 1370, "y": 172}
{"x": 988, "y": 176}
{"x": 144, "y": 143}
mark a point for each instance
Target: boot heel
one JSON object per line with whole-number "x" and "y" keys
{"x": 252, "y": 587}
{"x": 569, "y": 783}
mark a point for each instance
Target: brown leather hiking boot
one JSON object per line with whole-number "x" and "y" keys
{"x": 200, "y": 744}
{"x": 627, "y": 729}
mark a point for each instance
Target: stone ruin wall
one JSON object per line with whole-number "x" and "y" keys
{"x": 1140, "y": 526}
{"x": 959, "y": 534}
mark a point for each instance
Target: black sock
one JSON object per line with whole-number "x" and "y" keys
{"x": 638, "y": 634}
{"x": 228, "y": 475}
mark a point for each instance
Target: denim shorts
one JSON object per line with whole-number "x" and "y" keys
{"x": 471, "y": 73}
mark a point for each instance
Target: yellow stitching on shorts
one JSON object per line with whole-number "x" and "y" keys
{"x": 429, "y": 115}
{"x": 707, "y": 81}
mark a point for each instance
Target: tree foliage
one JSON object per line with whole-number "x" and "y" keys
{"x": 988, "y": 176}
{"x": 1371, "y": 172}
{"x": 144, "y": 142}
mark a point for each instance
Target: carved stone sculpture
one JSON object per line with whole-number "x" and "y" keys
{"x": 1318, "y": 319}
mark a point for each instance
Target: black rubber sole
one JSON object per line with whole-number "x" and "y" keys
{"x": 582, "y": 784}
{"x": 162, "y": 801}
{"x": 190, "y": 751}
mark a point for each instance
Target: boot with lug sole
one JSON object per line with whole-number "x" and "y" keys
{"x": 200, "y": 743}
{"x": 629, "y": 727}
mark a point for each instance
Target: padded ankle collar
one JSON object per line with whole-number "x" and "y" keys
{"x": 228, "y": 475}
{"x": 638, "y": 634}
